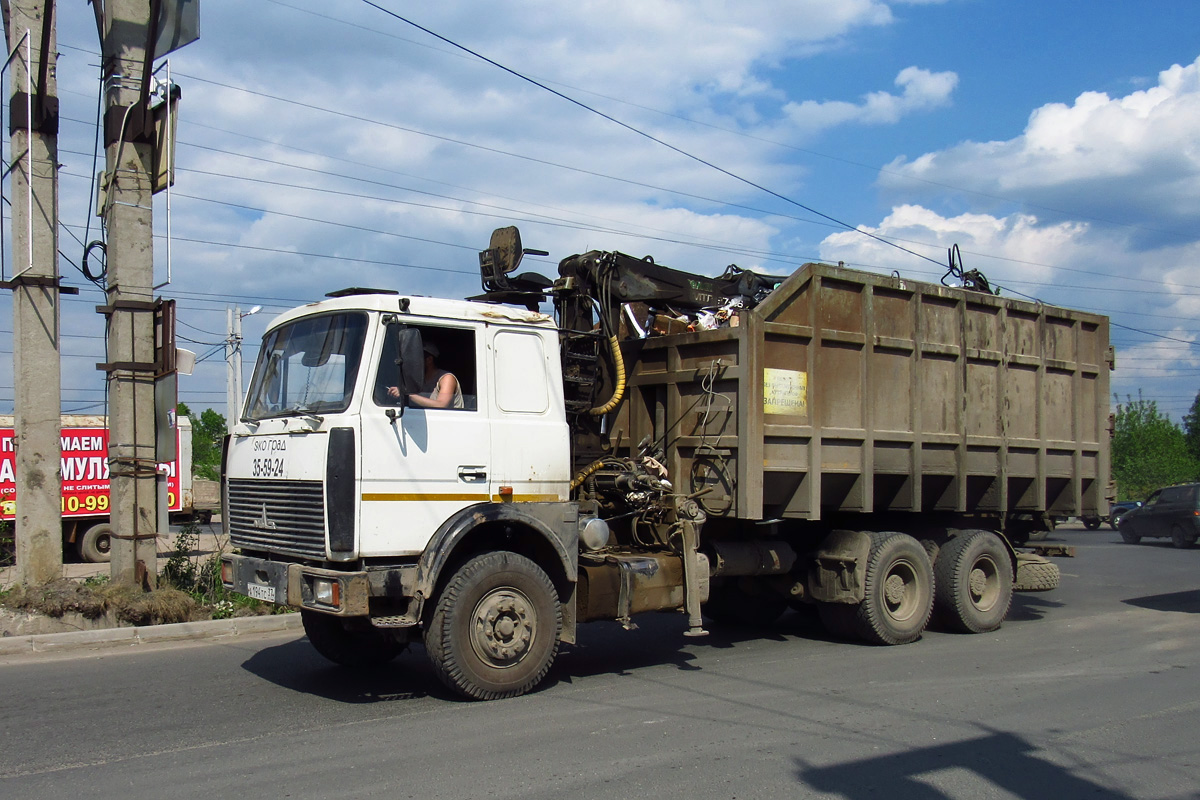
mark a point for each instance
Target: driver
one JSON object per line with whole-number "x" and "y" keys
{"x": 439, "y": 389}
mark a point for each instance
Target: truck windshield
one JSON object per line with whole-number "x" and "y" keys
{"x": 307, "y": 367}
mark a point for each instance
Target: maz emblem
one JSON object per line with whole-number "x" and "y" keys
{"x": 263, "y": 522}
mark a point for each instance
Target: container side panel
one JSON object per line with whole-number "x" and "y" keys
{"x": 1022, "y": 400}
{"x": 892, "y": 399}
{"x": 983, "y": 398}
{"x": 841, "y": 305}
{"x": 1058, "y": 405}
{"x": 939, "y": 320}
{"x": 838, "y": 387}
{"x": 939, "y": 394}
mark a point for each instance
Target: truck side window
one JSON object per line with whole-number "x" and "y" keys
{"x": 521, "y": 381}
{"x": 454, "y": 352}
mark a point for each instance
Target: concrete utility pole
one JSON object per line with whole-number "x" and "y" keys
{"x": 128, "y": 137}
{"x": 36, "y": 375}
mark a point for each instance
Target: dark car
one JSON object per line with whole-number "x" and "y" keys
{"x": 1172, "y": 511}
{"x": 1120, "y": 509}
{"x": 1115, "y": 511}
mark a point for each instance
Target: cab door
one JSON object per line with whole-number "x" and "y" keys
{"x": 421, "y": 465}
{"x": 528, "y": 429}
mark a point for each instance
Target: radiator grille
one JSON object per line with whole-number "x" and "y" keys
{"x": 278, "y": 516}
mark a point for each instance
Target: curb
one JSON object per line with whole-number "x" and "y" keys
{"x": 149, "y": 634}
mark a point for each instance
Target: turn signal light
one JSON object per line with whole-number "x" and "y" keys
{"x": 227, "y": 573}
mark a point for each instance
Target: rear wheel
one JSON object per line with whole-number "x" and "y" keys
{"x": 1181, "y": 538}
{"x": 368, "y": 647}
{"x": 1091, "y": 523}
{"x": 494, "y": 631}
{"x": 898, "y": 590}
{"x": 973, "y": 582}
{"x": 95, "y": 544}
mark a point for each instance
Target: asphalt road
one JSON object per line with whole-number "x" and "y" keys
{"x": 1087, "y": 691}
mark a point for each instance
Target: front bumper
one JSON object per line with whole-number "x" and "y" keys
{"x": 343, "y": 594}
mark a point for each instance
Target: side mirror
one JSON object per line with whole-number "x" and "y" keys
{"x": 410, "y": 361}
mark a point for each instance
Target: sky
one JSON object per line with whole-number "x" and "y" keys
{"x": 328, "y": 143}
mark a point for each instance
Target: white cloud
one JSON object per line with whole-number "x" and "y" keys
{"x": 922, "y": 90}
{"x": 1132, "y": 160}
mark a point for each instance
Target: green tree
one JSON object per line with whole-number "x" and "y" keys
{"x": 1148, "y": 450}
{"x": 1191, "y": 428}
{"x": 207, "y": 432}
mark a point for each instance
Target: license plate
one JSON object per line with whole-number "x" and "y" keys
{"x": 260, "y": 592}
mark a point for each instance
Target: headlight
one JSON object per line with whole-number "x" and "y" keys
{"x": 326, "y": 592}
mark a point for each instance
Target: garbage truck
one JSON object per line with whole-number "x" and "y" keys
{"x": 725, "y": 448}
{"x": 86, "y": 531}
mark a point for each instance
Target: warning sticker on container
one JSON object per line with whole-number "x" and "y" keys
{"x": 785, "y": 391}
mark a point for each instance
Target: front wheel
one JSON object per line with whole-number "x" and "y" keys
{"x": 898, "y": 590}
{"x": 494, "y": 631}
{"x": 330, "y": 637}
{"x": 973, "y": 580}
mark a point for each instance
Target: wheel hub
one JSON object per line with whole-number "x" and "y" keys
{"x": 894, "y": 589}
{"x": 502, "y": 627}
{"x": 978, "y": 583}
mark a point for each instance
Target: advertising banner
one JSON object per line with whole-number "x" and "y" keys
{"x": 84, "y": 473}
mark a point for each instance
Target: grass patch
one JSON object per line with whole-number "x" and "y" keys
{"x": 189, "y": 590}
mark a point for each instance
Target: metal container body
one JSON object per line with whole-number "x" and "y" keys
{"x": 847, "y": 391}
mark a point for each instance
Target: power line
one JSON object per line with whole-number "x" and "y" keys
{"x": 651, "y": 137}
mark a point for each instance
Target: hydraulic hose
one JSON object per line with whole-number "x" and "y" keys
{"x": 619, "y": 389}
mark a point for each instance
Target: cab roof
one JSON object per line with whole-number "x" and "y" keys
{"x": 417, "y": 307}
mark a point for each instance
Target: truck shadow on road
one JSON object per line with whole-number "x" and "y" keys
{"x": 972, "y": 768}
{"x": 1187, "y": 602}
{"x": 602, "y": 648}
{"x": 297, "y": 666}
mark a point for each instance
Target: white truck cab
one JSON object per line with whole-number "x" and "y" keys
{"x": 345, "y": 500}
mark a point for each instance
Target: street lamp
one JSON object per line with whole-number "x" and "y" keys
{"x": 233, "y": 362}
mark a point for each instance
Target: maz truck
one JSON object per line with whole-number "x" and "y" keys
{"x": 725, "y": 447}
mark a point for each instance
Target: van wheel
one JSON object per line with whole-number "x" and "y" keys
{"x": 494, "y": 631}
{"x": 95, "y": 544}
{"x": 1181, "y": 538}
{"x": 898, "y": 591}
{"x": 973, "y": 582}
{"x": 329, "y": 636}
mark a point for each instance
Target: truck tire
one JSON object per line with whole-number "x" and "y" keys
{"x": 94, "y": 545}
{"x": 731, "y": 604}
{"x": 349, "y": 648}
{"x": 1092, "y": 523}
{"x": 898, "y": 590}
{"x": 1181, "y": 538}
{"x": 1036, "y": 574}
{"x": 494, "y": 630}
{"x": 973, "y": 582}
